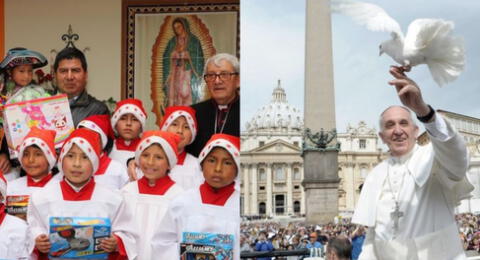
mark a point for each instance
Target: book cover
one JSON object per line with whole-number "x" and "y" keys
{"x": 51, "y": 113}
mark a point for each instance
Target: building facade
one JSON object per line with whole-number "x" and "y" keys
{"x": 272, "y": 165}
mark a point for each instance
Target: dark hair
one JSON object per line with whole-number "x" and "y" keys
{"x": 341, "y": 246}
{"x": 70, "y": 53}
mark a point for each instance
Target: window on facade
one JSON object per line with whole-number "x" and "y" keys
{"x": 279, "y": 173}
{"x": 261, "y": 208}
{"x": 296, "y": 207}
{"x": 262, "y": 176}
{"x": 362, "y": 144}
{"x": 262, "y": 187}
{"x": 297, "y": 187}
{"x": 261, "y": 143}
{"x": 363, "y": 172}
{"x": 279, "y": 204}
{"x": 296, "y": 174}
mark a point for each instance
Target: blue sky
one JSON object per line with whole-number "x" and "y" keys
{"x": 273, "y": 47}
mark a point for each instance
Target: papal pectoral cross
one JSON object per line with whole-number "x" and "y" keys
{"x": 396, "y": 215}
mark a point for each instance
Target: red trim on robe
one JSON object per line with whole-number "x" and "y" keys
{"x": 84, "y": 194}
{"x": 181, "y": 158}
{"x": 216, "y": 196}
{"x": 121, "y": 253}
{"x": 162, "y": 185}
{"x": 41, "y": 183}
{"x": 40, "y": 255}
{"x": 2, "y": 213}
{"x": 103, "y": 165}
{"x": 121, "y": 145}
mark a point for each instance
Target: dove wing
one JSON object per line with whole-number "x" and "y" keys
{"x": 431, "y": 41}
{"x": 369, "y": 15}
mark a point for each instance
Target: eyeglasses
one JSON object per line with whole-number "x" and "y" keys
{"x": 222, "y": 75}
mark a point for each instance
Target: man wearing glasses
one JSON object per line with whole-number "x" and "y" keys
{"x": 220, "y": 113}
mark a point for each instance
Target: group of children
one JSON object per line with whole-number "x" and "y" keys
{"x": 165, "y": 193}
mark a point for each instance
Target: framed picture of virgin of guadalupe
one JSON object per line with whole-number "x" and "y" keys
{"x": 165, "y": 47}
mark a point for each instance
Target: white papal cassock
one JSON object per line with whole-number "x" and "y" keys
{"x": 428, "y": 183}
{"x": 150, "y": 205}
{"x": 93, "y": 200}
{"x": 13, "y": 236}
{"x": 188, "y": 213}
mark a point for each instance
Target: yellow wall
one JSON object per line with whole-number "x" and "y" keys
{"x": 39, "y": 25}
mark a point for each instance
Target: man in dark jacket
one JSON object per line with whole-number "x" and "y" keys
{"x": 220, "y": 113}
{"x": 71, "y": 75}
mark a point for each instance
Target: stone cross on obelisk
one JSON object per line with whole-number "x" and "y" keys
{"x": 320, "y": 150}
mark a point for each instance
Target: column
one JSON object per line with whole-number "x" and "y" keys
{"x": 254, "y": 200}
{"x": 288, "y": 168}
{"x": 321, "y": 168}
{"x": 269, "y": 188}
{"x": 303, "y": 194}
{"x": 246, "y": 189}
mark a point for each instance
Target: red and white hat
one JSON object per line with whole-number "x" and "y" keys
{"x": 174, "y": 112}
{"x": 101, "y": 125}
{"x": 87, "y": 141}
{"x": 168, "y": 141}
{"x": 228, "y": 142}
{"x": 43, "y": 139}
{"x": 3, "y": 187}
{"x": 129, "y": 106}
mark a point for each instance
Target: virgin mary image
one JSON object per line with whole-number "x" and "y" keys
{"x": 183, "y": 63}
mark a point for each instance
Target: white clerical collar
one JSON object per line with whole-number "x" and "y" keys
{"x": 404, "y": 158}
{"x": 220, "y": 107}
{"x": 75, "y": 188}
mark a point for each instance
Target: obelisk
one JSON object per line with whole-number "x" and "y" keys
{"x": 320, "y": 151}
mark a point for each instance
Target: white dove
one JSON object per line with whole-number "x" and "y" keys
{"x": 428, "y": 41}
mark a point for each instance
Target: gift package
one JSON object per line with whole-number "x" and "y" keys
{"x": 207, "y": 246}
{"x": 51, "y": 113}
{"x": 78, "y": 237}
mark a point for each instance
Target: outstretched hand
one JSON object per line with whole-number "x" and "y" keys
{"x": 408, "y": 91}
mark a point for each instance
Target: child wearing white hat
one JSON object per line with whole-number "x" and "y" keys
{"x": 128, "y": 123}
{"x": 211, "y": 208}
{"x": 110, "y": 173}
{"x": 151, "y": 194}
{"x": 77, "y": 195}
{"x": 37, "y": 157}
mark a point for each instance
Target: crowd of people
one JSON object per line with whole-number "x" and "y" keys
{"x": 269, "y": 235}
{"x": 158, "y": 190}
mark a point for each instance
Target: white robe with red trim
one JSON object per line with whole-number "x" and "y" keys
{"x": 149, "y": 211}
{"x": 188, "y": 213}
{"x": 189, "y": 174}
{"x": 104, "y": 203}
{"x": 13, "y": 238}
{"x": 121, "y": 156}
{"x": 115, "y": 176}
{"x": 20, "y": 187}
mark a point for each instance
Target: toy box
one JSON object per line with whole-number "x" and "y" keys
{"x": 45, "y": 113}
{"x": 206, "y": 246}
{"x": 17, "y": 204}
{"x": 78, "y": 237}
